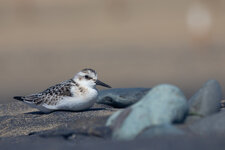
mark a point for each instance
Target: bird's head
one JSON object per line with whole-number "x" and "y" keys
{"x": 88, "y": 77}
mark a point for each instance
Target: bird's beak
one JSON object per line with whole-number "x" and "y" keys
{"x": 98, "y": 82}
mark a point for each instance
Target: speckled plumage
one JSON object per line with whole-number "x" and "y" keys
{"x": 52, "y": 95}
{"x": 75, "y": 94}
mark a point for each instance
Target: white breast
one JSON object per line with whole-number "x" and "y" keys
{"x": 77, "y": 102}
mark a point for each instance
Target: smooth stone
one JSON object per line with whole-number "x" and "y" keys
{"x": 164, "y": 104}
{"x": 161, "y": 130}
{"x": 207, "y": 100}
{"x": 121, "y": 97}
{"x": 210, "y": 125}
{"x": 222, "y": 104}
{"x": 192, "y": 119}
{"x": 222, "y": 109}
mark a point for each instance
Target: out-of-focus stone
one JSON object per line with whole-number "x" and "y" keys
{"x": 164, "y": 104}
{"x": 207, "y": 100}
{"x": 121, "y": 97}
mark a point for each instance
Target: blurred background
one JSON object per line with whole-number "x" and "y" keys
{"x": 130, "y": 43}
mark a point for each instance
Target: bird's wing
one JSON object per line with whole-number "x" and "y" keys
{"x": 52, "y": 95}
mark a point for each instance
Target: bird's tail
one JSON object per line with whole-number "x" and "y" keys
{"x": 20, "y": 98}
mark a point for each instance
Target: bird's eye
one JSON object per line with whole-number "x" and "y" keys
{"x": 87, "y": 77}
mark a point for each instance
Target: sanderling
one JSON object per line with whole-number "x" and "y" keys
{"x": 76, "y": 94}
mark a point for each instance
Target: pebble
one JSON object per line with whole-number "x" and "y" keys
{"x": 207, "y": 100}
{"x": 121, "y": 97}
{"x": 164, "y": 104}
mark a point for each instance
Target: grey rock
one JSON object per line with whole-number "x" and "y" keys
{"x": 164, "y": 104}
{"x": 207, "y": 100}
{"x": 211, "y": 125}
{"x": 192, "y": 119}
{"x": 121, "y": 97}
{"x": 222, "y": 104}
{"x": 161, "y": 130}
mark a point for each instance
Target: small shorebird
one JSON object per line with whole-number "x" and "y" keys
{"x": 76, "y": 94}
